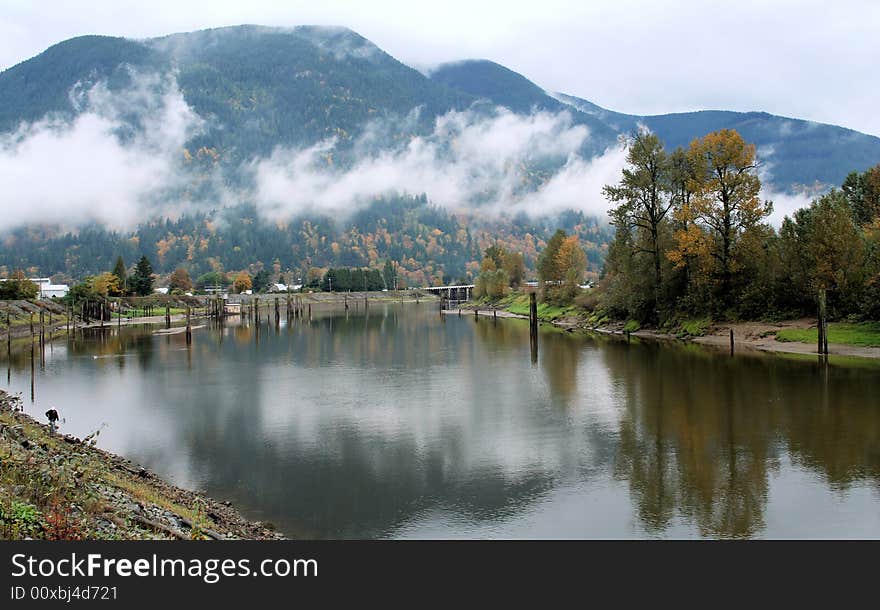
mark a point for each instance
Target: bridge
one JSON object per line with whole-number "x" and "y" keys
{"x": 461, "y": 292}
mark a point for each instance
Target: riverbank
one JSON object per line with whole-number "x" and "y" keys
{"x": 59, "y": 487}
{"x": 748, "y": 336}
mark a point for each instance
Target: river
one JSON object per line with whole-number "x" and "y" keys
{"x": 400, "y": 423}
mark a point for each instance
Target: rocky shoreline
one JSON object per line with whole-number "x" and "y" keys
{"x": 60, "y": 487}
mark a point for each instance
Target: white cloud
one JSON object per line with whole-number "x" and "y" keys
{"x": 468, "y": 159}
{"x": 94, "y": 167}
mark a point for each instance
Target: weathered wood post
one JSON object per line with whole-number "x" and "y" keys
{"x": 731, "y": 342}
{"x": 822, "y": 347}
{"x": 188, "y": 326}
{"x": 533, "y": 326}
{"x": 167, "y": 315}
{"x": 8, "y": 335}
{"x": 277, "y": 313}
{"x": 310, "y": 312}
{"x": 69, "y": 316}
{"x": 256, "y": 311}
{"x": 32, "y": 327}
{"x": 42, "y": 326}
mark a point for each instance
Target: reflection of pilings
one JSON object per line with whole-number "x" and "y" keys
{"x": 533, "y": 326}
{"x": 8, "y": 348}
{"x": 32, "y": 372}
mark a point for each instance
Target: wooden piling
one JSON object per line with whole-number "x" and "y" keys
{"x": 188, "y": 326}
{"x": 731, "y": 342}
{"x": 822, "y": 347}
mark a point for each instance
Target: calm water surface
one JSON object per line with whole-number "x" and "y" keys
{"x": 402, "y": 424}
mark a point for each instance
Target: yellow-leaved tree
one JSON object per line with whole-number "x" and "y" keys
{"x": 725, "y": 204}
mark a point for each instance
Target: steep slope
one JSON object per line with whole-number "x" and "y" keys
{"x": 258, "y": 87}
{"x": 43, "y": 84}
{"x": 493, "y": 82}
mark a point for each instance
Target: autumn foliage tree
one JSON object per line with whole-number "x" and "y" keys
{"x": 561, "y": 266}
{"x": 242, "y": 282}
{"x": 180, "y": 281}
{"x": 725, "y": 205}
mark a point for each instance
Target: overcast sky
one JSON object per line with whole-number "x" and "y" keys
{"x": 807, "y": 59}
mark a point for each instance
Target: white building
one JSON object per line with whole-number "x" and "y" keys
{"x": 53, "y": 291}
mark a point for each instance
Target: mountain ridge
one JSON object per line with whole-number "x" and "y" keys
{"x": 265, "y": 86}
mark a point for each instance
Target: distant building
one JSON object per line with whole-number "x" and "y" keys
{"x": 285, "y": 287}
{"x": 160, "y": 290}
{"x": 54, "y": 291}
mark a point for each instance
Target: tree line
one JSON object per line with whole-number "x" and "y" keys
{"x": 692, "y": 238}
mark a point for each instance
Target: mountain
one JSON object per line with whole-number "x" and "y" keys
{"x": 261, "y": 87}
{"x": 258, "y": 87}
{"x": 795, "y": 153}
{"x": 258, "y": 90}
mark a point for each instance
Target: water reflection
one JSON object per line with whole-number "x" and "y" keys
{"x": 400, "y": 423}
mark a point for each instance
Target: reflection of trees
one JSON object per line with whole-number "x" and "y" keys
{"x": 701, "y": 431}
{"x": 694, "y": 440}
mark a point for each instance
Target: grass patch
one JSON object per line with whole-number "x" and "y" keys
{"x": 631, "y": 326}
{"x": 693, "y": 328}
{"x": 147, "y": 494}
{"x": 865, "y": 334}
{"x": 519, "y": 305}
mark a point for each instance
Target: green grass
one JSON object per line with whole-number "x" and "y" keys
{"x": 631, "y": 326}
{"x": 866, "y": 334}
{"x": 547, "y": 312}
{"x": 693, "y": 328}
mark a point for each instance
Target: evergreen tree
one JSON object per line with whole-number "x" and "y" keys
{"x": 121, "y": 274}
{"x": 141, "y": 281}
